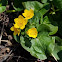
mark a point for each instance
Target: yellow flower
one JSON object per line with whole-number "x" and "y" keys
{"x": 28, "y": 14}
{"x": 16, "y": 30}
{"x": 20, "y": 22}
{"x": 25, "y": 20}
{"x": 32, "y": 32}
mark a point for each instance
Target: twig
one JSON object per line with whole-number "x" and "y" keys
{"x": 1, "y": 33}
{"x": 5, "y": 56}
{"x": 2, "y": 30}
{"x": 54, "y": 57}
{"x": 11, "y": 55}
{"x": 16, "y": 56}
{"x": 7, "y": 41}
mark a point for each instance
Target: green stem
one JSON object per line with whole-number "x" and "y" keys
{"x": 11, "y": 11}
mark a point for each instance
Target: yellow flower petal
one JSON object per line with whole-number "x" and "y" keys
{"x": 20, "y": 16}
{"x": 16, "y": 30}
{"x": 28, "y": 14}
{"x": 22, "y": 27}
{"x": 31, "y": 11}
{"x": 16, "y": 26}
{"x": 16, "y": 20}
{"x": 15, "y": 33}
{"x": 26, "y": 10}
{"x": 32, "y": 32}
{"x": 12, "y": 28}
{"x": 20, "y": 22}
{"x": 25, "y": 21}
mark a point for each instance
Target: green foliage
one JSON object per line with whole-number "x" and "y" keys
{"x": 3, "y": 5}
{"x": 43, "y": 1}
{"x": 2, "y": 9}
{"x": 40, "y": 47}
{"x": 57, "y": 52}
{"x": 53, "y": 29}
{"x": 35, "y": 5}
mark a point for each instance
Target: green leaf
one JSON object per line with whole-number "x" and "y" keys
{"x": 43, "y": 11}
{"x": 43, "y": 27}
{"x": 46, "y": 20}
{"x": 47, "y": 42}
{"x": 17, "y": 38}
{"x": 41, "y": 19}
{"x": 23, "y": 43}
{"x": 48, "y": 26}
{"x": 2, "y": 9}
{"x": 3, "y": 4}
{"x": 43, "y": 1}
{"x": 53, "y": 29}
{"x": 35, "y": 5}
{"x": 37, "y": 49}
{"x": 57, "y": 52}
{"x": 45, "y": 8}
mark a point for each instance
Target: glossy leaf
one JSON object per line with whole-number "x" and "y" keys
{"x": 53, "y": 29}
{"x": 17, "y": 38}
{"x": 3, "y": 4}
{"x": 56, "y": 52}
{"x": 43, "y": 1}
{"x": 35, "y": 5}
{"x": 2, "y": 9}
{"x": 45, "y": 8}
